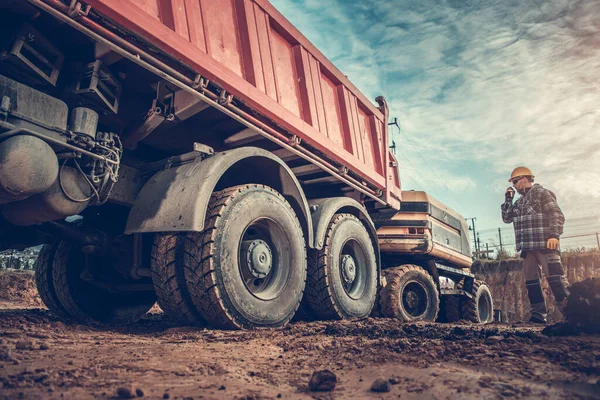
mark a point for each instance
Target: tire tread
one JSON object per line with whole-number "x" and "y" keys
{"x": 208, "y": 297}
{"x": 390, "y": 295}
{"x": 469, "y": 306}
{"x": 168, "y": 261}
{"x": 44, "y": 282}
{"x": 320, "y": 298}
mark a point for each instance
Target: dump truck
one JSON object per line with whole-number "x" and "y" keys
{"x": 205, "y": 155}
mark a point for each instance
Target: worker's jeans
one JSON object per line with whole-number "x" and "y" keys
{"x": 549, "y": 261}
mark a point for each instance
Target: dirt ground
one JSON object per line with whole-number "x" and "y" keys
{"x": 41, "y": 357}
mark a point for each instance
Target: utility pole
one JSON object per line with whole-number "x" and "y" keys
{"x": 478, "y": 242}
{"x": 598, "y": 240}
{"x": 500, "y": 237}
{"x": 474, "y": 232}
{"x": 393, "y": 145}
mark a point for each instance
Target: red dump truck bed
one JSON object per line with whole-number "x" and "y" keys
{"x": 248, "y": 48}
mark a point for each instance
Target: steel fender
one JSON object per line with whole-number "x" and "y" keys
{"x": 176, "y": 199}
{"x": 325, "y": 209}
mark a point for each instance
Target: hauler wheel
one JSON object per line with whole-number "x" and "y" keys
{"x": 342, "y": 277}
{"x": 410, "y": 294}
{"x": 252, "y": 268}
{"x": 44, "y": 283}
{"x": 479, "y": 309}
{"x": 93, "y": 292}
{"x": 452, "y": 308}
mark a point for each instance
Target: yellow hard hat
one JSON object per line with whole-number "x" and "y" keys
{"x": 520, "y": 171}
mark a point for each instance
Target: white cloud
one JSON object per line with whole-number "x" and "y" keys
{"x": 478, "y": 90}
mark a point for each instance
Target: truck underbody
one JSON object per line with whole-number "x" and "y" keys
{"x": 147, "y": 182}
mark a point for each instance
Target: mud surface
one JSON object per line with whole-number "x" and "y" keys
{"x": 41, "y": 357}
{"x": 17, "y": 288}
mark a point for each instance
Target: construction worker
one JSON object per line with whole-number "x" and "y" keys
{"x": 538, "y": 222}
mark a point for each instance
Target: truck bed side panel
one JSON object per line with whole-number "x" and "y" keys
{"x": 251, "y": 50}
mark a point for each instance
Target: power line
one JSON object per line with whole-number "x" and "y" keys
{"x": 416, "y": 170}
{"x": 434, "y": 174}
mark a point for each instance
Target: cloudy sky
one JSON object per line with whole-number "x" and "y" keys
{"x": 479, "y": 87}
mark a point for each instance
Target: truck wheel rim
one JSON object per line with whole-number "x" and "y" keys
{"x": 414, "y": 299}
{"x": 263, "y": 258}
{"x": 353, "y": 269}
{"x": 483, "y": 308}
{"x": 259, "y": 258}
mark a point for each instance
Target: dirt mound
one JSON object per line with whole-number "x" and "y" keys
{"x": 19, "y": 286}
{"x": 583, "y": 309}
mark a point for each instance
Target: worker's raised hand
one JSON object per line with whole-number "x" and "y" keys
{"x": 552, "y": 244}
{"x": 509, "y": 194}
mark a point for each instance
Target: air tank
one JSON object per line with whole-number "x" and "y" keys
{"x": 28, "y": 166}
{"x": 69, "y": 195}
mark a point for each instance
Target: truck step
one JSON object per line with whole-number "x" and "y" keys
{"x": 455, "y": 292}
{"x": 445, "y": 270}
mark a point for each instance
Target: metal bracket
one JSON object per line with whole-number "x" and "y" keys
{"x": 34, "y": 52}
{"x": 200, "y": 151}
{"x": 200, "y": 83}
{"x": 77, "y": 10}
{"x": 225, "y": 98}
{"x": 99, "y": 84}
{"x": 163, "y": 103}
{"x": 203, "y": 149}
{"x": 5, "y": 106}
{"x": 295, "y": 140}
{"x": 162, "y": 110}
{"x": 343, "y": 170}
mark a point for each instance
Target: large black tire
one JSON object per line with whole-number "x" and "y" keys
{"x": 252, "y": 268}
{"x": 479, "y": 309}
{"x": 44, "y": 283}
{"x": 452, "y": 308}
{"x": 87, "y": 302}
{"x": 410, "y": 294}
{"x": 172, "y": 253}
{"x": 342, "y": 276}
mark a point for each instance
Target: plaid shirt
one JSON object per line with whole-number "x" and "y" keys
{"x": 536, "y": 217}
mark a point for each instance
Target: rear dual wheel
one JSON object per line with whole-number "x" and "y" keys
{"x": 85, "y": 288}
{"x": 247, "y": 269}
{"x": 342, "y": 276}
{"x": 44, "y": 283}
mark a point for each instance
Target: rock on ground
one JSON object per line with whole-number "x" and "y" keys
{"x": 561, "y": 329}
{"x": 583, "y": 307}
{"x": 322, "y": 381}
{"x": 380, "y": 385}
